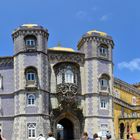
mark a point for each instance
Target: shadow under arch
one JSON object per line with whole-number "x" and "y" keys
{"x": 122, "y": 129}
{"x": 71, "y": 126}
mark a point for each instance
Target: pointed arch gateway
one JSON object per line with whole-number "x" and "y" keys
{"x": 69, "y": 126}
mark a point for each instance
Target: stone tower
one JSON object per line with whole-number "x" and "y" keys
{"x": 98, "y": 110}
{"x": 31, "y": 82}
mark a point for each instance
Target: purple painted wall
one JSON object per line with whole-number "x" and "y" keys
{"x": 8, "y": 78}
{"x": 7, "y": 103}
{"x": 7, "y": 126}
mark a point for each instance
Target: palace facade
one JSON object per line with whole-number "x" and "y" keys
{"x": 63, "y": 90}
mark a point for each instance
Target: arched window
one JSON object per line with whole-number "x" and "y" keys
{"x": 69, "y": 78}
{"x": 66, "y": 73}
{"x": 31, "y": 76}
{"x": 31, "y": 99}
{"x": 104, "y": 82}
{"x": 31, "y": 130}
{"x": 103, "y": 104}
{"x": 103, "y": 50}
{"x": 30, "y": 40}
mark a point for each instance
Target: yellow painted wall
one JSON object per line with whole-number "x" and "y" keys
{"x": 133, "y": 122}
{"x": 127, "y": 97}
{"x": 117, "y": 113}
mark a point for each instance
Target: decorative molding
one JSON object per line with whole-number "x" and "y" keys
{"x": 104, "y": 117}
{"x": 67, "y": 95}
{"x": 67, "y": 88}
{"x": 126, "y": 105}
{"x": 125, "y": 86}
{"x": 31, "y": 31}
{"x": 97, "y": 39}
{"x": 21, "y": 91}
{"x": 21, "y": 115}
{"x": 56, "y": 57}
{"x": 33, "y": 52}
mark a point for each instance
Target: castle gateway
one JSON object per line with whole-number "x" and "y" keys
{"x": 63, "y": 90}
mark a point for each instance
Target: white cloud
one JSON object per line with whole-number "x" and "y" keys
{"x": 81, "y": 14}
{"x": 104, "y": 17}
{"x": 132, "y": 65}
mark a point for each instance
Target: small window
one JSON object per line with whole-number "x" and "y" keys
{"x": 69, "y": 76}
{"x": 67, "y": 73}
{"x": 103, "y": 50}
{"x": 30, "y": 40}
{"x": 31, "y": 130}
{"x": 103, "y": 104}
{"x": 104, "y": 84}
{"x": 31, "y": 76}
{"x": 31, "y": 99}
{"x": 134, "y": 101}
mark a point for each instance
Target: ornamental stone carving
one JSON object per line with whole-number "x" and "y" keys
{"x": 56, "y": 57}
{"x": 68, "y": 87}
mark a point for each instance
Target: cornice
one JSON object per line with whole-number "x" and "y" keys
{"x": 99, "y": 58}
{"x": 30, "y": 52}
{"x": 24, "y": 115}
{"x": 95, "y": 116}
{"x": 56, "y": 57}
{"x": 22, "y": 90}
{"x": 97, "y": 39}
{"x": 30, "y": 31}
{"x": 125, "y": 86}
{"x": 126, "y": 105}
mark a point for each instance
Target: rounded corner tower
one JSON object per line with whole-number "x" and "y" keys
{"x": 97, "y": 47}
{"x": 31, "y": 82}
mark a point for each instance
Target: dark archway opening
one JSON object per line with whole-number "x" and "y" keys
{"x": 65, "y": 130}
{"x": 122, "y": 127}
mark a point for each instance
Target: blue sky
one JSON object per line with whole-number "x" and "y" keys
{"x": 68, "y": 20}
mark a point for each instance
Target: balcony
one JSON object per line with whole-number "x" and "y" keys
{"x": 103, "y": 56}
{"x": 30, "y": 48}
{"x": 66, "y": 94}
{"x": 31, "y": 84}
{"x": 104, "y": 89}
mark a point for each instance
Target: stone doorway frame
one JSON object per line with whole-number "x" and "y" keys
{"x": 73, "y": 119}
